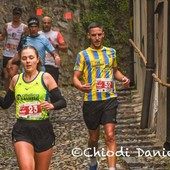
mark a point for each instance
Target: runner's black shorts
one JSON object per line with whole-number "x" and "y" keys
{"x": 100, "y": 112}
{"x": 6, "y": 59}
{"x": 54, "y": 71}
{"x": 39, "y": 133}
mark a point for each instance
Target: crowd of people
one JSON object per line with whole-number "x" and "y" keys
{"x": 31, "y": 62}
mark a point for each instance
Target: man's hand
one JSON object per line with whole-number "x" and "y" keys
{"x": 85, "y": 88}
{"x": 57, "y": 61}
{"x": 9, "y": 64}
{"x": 125, "y": 82}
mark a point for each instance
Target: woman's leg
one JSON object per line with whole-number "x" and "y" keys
{"x": 43, "y": 159}
{"x": 25, "y": 155}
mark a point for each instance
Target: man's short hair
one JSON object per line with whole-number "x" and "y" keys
{"x": 94, "y": 25}
{"x": 17, "y": 10}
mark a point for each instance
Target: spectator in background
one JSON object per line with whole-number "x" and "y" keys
{"x": 40, "y": 42}
{"x": 57, "y": 40}
{"x": 11, "y": 33}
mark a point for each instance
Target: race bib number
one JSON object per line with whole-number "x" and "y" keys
{"x": 104, "y": 85}
{"x": 30, "y": 110}
{"x": 11, "y": 47}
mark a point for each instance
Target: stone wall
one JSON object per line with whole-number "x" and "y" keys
{"x": 56, "y": 9}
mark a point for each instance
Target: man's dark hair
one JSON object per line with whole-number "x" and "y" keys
{"x": 94, "y": 25}
{"x": 33, "y": 20}
{"x": 17, "y": 10}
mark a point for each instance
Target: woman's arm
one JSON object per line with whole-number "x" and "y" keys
{"x": 6, "y": 102}
{"x": 57, "y": 99}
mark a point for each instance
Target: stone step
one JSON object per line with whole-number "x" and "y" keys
{"x": 139, "y": 164}
{"x": 142, "y": 149}
{"x": 129, "y": 126}
{"x": 122, "y": 122}
{"x": 136, "y": 131}
{"x": 71, "y": 132}
{"x": 127, "y": 115}
{"x": 123, "y": 137}
{"x": 136, "y": 142}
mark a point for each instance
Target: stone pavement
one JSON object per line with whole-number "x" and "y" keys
{"x": 134, "y": 144}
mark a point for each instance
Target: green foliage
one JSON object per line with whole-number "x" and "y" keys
{"x": 44, "y": 6}
{"x": 37, "y": 3}
{"x": 113, "y": 15}
{"x": 78, "y": 29}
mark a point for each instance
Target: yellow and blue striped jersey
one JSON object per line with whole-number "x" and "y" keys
{"x": 97, "y": 68}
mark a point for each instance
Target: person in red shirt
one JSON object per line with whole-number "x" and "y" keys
{"x": 57, "y": 41}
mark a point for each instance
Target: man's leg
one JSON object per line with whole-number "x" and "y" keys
{"x": 110, "y": 144}
{"x": 93, "y": 144}
{"x": 6, "y": 79}
{"x": 53, "y": 71}
{"x": 8, "y": 74}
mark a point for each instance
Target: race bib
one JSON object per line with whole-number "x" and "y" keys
{"x": 11, "y": 47}
{"x": 30, "y": 110}
{"x": 104, "y": 85}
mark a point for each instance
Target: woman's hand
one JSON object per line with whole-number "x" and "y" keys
{"x": 46, "y": 105}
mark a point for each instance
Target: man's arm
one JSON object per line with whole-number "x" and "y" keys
{"x": 13, "y": 60}
{"x": 56, "y": 58}
{"x": 3, "y": 33}
{"x": 120, "y": 77}
{"x": 26, "y": 31}
{"x": 77, "y": 83}
{"x": 62, "y": 46}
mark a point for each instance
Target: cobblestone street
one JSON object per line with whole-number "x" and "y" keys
{"x": 71, "y": 133}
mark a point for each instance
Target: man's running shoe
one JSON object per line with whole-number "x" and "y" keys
{"x": 95, "y": 167}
